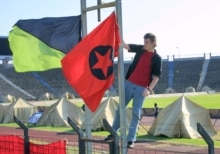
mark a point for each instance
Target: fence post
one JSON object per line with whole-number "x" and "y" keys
{"x": 26, "y": 137}
{"x": 82, "y": 146}
{"x": 207, "y": 138}
{"x": 114, "y": 145}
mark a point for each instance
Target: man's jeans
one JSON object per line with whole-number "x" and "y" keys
{"x": 131, "y": 91}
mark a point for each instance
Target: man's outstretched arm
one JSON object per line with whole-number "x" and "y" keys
{"x": 125, "y": 45}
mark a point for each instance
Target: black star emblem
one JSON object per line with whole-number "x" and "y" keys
{"x": 100, "y": 62}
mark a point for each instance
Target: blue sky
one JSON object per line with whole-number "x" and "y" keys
{"x": 182, "y": 27}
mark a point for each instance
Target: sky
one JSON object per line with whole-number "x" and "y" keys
{"x": 182, "y": 27}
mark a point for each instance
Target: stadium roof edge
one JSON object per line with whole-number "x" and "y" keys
{"x": 4, "y": 46}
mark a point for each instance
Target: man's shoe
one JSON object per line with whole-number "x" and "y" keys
{"x": 109, "y": 137}
{"x": 130, "y": 144}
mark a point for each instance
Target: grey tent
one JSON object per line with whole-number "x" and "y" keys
{"x": 180, "y": 119}
{"x": 56, "y": 114}
{"x": 21, "y": 109}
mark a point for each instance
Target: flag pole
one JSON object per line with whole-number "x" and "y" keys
{"x": 121, "y": 83}
{"x": 87, "y": 111}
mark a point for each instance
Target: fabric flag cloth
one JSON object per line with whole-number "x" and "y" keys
{"x": 88, "y": 67}
{"x": 40, "y": 44}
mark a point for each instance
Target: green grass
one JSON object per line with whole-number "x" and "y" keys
{"x": 209, "y": 101}
{"x": 43, "y": 128}
{"x": 54, "y": 129}
{"x": 185, "y": 141}
{"x": 142, "y": 135}
{"x": 9, "y": 124}
{"x": 162, "y": 102}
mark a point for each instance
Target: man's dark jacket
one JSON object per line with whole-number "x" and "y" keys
{"x": 156, "y": 62}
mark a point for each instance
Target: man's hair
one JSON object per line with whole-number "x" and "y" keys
{"x": 152, "y": 37}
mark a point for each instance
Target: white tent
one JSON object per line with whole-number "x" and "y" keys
{"x": 21, "y": 109}
{"x": 56, "y": 114}
{"x": 68, "y": 95}
{"x": 9, "y": 99}
{"x": 106, "y": 111}
{"x": 180, "y": 119}
{"x": 47, "y": 96}
{"x": 43, "y": 103}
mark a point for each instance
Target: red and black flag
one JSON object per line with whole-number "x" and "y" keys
{"x": 88, "y": 67}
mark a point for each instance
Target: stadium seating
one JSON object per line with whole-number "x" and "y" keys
{"x": 163, "y": 82}
{"x": 24, "y": 81}
{"x": 53, "y": 81}
{"x": 187, "y": 73}
{"x": 212, "y": 75}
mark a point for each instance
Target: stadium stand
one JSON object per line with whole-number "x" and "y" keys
{"x": 24, "y": 81}
{"x": 177, "y": 74}
{"x": 56, "y": 81}
{"x": 6, "y": 89}
{"x": 163, "y": 82}
{"x": 4, "y": 44}
{"x": 37, "y": 84}
{"x": 187, "y": 73}
{"x": 212, "y": 76}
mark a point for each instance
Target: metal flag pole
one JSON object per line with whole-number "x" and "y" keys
{"x": 84, "y": 9}
{"x": 87, "y": 111}
{"x": 121, "y": 83}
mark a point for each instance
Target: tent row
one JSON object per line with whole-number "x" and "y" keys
{"x": 56, "y": 114}
{"x": 21, "y": 109}
{"x": 46, "y": 96}
{"x": 179, "y": 119}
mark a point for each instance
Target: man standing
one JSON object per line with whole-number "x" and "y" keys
{"x": 142, "y": 76}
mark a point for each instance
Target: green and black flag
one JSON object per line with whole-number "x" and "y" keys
{"x": 40, "y": 44}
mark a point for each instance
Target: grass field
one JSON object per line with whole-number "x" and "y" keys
{"x": 209, "y": 101}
